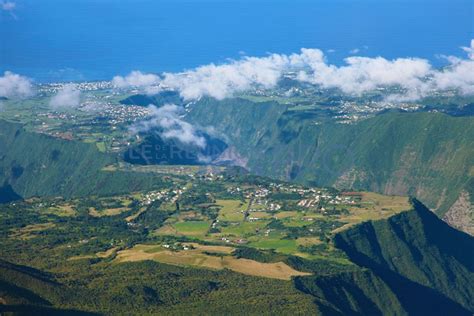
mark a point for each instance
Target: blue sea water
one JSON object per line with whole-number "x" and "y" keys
{"x": 51, "y": 40}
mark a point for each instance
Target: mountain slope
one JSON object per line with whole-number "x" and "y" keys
{"x": 27, "y": 291}
{"x": 419, "y": 256}
{"x": 351, "y": 293}
{"x": 38, "y": 165}
{"x": 428, "y": 155}
{"x": 155, "y": 149}
{"x": 165, "y": 97}
{"x": 461, "y": 214}
{"x": 409, "y": 264}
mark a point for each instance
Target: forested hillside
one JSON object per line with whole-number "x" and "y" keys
{"x": 409, "y": 264}
{"x": 427, "y": 155}
{"x": 32, "y": 164}
{"x": 419, "y": 257}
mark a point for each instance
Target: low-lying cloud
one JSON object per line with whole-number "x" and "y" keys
{"x": 221, "y": 81}
{"x": 170, "y": 125}
{"x": 14, "y": 86}
{"x": 459, "y": 75}
{"x": 364, "y": 74}
{"x": 68, "y": 97}
{"x": 137, "y": 80}
{"x": 415, "y": 77}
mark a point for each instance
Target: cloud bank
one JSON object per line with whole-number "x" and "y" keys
{"x": 68, "y": 97}
{"x": 459, "y": 75}
{"x": 221, "y": 81}
{"x": 15, "y": 86}
{"x": 364, "y": 74}
{"x": 171, "y": 126}
{"x": 414, "y": 77}
{"x": 138, "y": 80}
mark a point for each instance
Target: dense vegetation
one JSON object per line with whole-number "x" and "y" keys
{"x": 59, "y": 255}
{"x": 149, "y": 288}
{"x": 410, "y": 263}
{"x": 162, "y": 98}
{"x": 427, "y": 155}
{"x": 32, "y": 164}
{"x": 419, "y": 257}
{"x": 351, "y": 293}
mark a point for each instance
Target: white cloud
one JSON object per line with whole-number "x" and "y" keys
{"x": 416, "y": 77}
{"x": 359, "y": 75}
{"x": 358, "y": 50}
{"x": 363, "y": 74}
{"x": 221, "y": 81}
{"x": 459, "y": 75}
{"x": 15, "y": 86}
{"x": 138, "y": 80}
{"x": 68, "y": 97}
{"x": 469, "y": 50}
{"x": 167, "y": 118}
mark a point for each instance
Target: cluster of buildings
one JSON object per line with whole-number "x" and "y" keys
{"x": 151, "y": 197}
{"x": 163, "y": 195}
{"x": 209, "y": 176}
{"x": 239, "y": 241}
{"x": 234, "y": 190}
{"x": 178, "y": 246}
{"x": 351, "y": 111}
{"x": 116, "y": 114}
{"x": 327, "y": 198}
{"x": 82, "y": 86}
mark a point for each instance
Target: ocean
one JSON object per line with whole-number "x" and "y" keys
{"x": 57, "y": 40}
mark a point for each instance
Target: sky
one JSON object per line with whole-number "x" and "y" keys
{"x": 54, "y": 40}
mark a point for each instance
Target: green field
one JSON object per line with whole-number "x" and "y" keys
{"x": 101, "y": 146}
{"x": 231, "y": 210}
{"x": 280, "y": 245}
{"x": 244, "y": 228}
{"x": 192, "y": 228}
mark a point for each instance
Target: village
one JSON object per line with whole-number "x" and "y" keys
{"x": 241, "y": 213}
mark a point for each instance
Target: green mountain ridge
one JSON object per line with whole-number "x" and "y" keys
{"x": 410, "y": 264}
{"x": 427, "y": 155}
{"x": 23, "y": 291}
{"x": 419, "y": 257}
{"x": 33, "y": 164}
{"x": 351, "y": 293}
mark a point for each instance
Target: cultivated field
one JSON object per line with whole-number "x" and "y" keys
{"x": 220, "y": 259}
{"x": 374, "y": 206}
{"x": 30, "y": 231}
